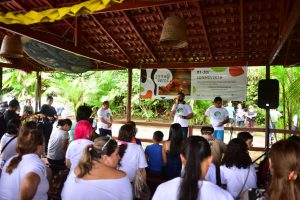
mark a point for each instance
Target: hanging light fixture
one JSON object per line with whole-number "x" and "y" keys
{"x": 11, "y": 47}
{"x": 174, "y": 33}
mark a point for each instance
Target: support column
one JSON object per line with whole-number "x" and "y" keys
{"x": 267, "y": 141}
{"x": 38, "y": 91}
{"x": 1, "y": 79}
{"x": 128, "y": 106}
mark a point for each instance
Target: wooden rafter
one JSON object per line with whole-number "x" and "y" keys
{"x": 98, "y": 23}
{"x": 286, "y": 30}
{"x": 21, "y": 6}
{"x": 137, "y": 31}
{"x": 204, "y": 30}
{"x": 203, "y": 64}
{"x": 242, "y": 27}
{"x": 53, "y": 41}
{"x": 141, "y": 4}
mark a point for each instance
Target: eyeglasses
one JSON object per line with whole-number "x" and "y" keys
{"x": 110, "y": 138}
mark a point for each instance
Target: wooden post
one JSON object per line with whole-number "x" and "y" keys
{"x": 38, "y": 91}
{"x": 128, "y": 107}
{"x": 1, "y": 79}
{"x": 267, "y": 141}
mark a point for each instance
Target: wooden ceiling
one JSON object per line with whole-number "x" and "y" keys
{"x": 220, "y": 33}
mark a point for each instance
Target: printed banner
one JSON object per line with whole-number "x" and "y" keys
{"x": 230, "y": 83}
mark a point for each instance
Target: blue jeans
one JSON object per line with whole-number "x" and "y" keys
{"x": 219, "y": 134}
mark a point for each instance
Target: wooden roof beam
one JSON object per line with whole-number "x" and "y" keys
{"x": 286, "y": 31}
{"x": 204, "y": 30}
{"x": 21, "y": 6}
{"x": 141, "y": 4}
{"x": 203, "y": 64}
{"x": 55, "y": 42}
{"x": 137, "y": 31}
{"x": 242, "y": 27}
{"x": 98, "y": 23}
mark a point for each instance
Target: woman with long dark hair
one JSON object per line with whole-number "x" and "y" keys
{"x": 285, "y": 169}
{"x": 196, "y": 157}
{"x": 96, "y": 176}
{"x": 237, "y": 170}
{"x": 171, "y": 151}
{"x": 24, "y": 175}
{"x": 133, "y": 157}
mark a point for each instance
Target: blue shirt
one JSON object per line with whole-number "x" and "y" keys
{"x": 154, "y": 153}
{"x": 231, "y": 111}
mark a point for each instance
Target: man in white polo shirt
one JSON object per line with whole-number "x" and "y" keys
{"x": 182, "y": 112}
{"x": 105, "y": 119}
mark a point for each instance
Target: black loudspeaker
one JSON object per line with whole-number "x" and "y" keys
{"x": 268, "y": 93}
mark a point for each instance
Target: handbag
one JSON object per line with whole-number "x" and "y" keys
{"x": 140, "y": 187}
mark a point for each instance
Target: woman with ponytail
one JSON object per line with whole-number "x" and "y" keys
{"x": 96, "y": 176}
{"x": 58, "y": 142}
{"x": 24, "y": 175}
{"x": 196, "y": 157}
{"x": 285, "y": 168}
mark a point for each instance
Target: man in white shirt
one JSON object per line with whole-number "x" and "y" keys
{"x": 105, "y": 119}
{"x": 182, "y": 112}
{"x": 218, "y": 117}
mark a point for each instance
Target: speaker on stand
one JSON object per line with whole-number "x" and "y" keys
{"x": 268, "y": 98}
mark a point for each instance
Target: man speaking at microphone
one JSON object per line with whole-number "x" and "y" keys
{"x": 182, "y": 112}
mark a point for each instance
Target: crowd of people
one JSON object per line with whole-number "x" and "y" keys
{"x": 100, "y": 166}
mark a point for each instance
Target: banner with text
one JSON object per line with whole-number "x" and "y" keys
{"x": 230, "y": 83}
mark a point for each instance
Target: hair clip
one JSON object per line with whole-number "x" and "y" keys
{"x": 91, "y": 147}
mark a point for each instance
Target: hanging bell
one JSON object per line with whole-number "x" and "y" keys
{"x": 11, "y": 47}
{"x": 174, "y": 33}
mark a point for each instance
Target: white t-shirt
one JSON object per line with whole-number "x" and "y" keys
{"x": 112, "y": 189}
{"x": 106, "y": 115}
{"x": 55, "y": 146}
{"x": 10, "y": 149}
{"x": 133, "y": 159}
{"x": 216, "y": 115}
{"x": 211, "y": 174}
{"x": 75, "y": 150}
{"x": 208, "y": 191}
{"x": 184, "y": 110}
{"x": 10, "y": 183}
{"x": 235, "y": 178}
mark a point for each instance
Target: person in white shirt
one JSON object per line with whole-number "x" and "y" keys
{"x": 83, "y": 132}
{"x": 237, "y": 171}
{"x": 218, "y": 117}
{"x": 24, "y": 175}
{"x": 96, "y": 175}
{"x": 105, "y": 119}
{"x": 196, "y": 158}
{"x": 58, "y": 142}
{"x": 182, "y": 112}
{"x": 134, "y": 157}
{"x": 9, "y": 141}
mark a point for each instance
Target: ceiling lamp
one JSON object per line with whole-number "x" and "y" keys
{"x": 11, "y": 47}
{"x": 174, "y": 33}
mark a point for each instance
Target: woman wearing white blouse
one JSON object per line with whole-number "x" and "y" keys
{"x": 24, "y": 175}
{"x": 196, "y": 157}
{"x": 96, "y": 176}
{"x": 237, "y": 170}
